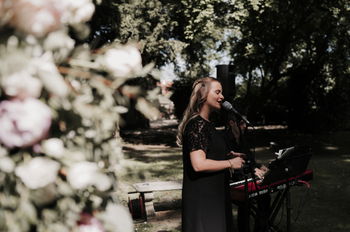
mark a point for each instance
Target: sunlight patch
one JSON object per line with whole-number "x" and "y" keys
{"x": 262, "y": 149}
{"x": 331, "y": 148}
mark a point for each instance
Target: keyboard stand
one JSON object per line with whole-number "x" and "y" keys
{"x": 282, "y": 197}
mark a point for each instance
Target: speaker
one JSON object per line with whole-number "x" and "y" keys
{"x": 224, "y": 74}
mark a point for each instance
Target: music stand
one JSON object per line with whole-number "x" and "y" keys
{"x": 289, "y": 162}
{"x": 285, "y": 171}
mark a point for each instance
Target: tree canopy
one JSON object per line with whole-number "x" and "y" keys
{"x": 292, "y": 57}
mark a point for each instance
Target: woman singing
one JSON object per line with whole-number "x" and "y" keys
{"x": 206, "y": 204}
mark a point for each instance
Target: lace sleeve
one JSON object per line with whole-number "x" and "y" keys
{"x": 197, "y": 135}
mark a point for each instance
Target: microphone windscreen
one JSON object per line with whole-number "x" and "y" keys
{"x": 226, "y": 105}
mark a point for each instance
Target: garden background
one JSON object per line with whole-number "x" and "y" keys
{"x": 84, "y": 82}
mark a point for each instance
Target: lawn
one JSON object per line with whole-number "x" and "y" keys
{"x": 151, "y": 155}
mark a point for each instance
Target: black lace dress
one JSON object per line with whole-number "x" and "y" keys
{"x": 206, "y": 204}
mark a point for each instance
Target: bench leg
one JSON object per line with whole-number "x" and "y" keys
{"x": 149, "y": 206}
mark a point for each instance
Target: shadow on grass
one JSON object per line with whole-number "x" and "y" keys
{"x": 152, "y": 136}
{"x": 152, "y": 156}
{"x": 148, "y": 156}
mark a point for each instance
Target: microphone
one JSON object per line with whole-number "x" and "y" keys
{"x": 228, "y": 107}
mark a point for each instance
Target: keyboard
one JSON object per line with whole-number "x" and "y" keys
{"x": 256, "y": 188}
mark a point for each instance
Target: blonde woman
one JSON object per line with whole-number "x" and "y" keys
{"x": 206, "y": 204}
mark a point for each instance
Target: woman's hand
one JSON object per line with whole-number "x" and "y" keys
{"x": 236, "y": 163}
{"x": 259, "y": 172}
{"x": 264, "y": 168}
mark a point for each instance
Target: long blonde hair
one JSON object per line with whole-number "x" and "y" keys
{"x": 200, "y": 90}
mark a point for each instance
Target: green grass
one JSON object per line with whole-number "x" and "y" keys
{"x": 145, "y": 163}
{"x": 325, "y": 207}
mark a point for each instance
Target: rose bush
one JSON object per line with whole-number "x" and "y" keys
{"x": 60, "y": 151}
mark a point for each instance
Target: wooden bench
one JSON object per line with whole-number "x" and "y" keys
{"x": 143, "y": 206}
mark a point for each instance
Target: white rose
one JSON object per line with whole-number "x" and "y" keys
{"x": 3, "y": 152}
{"x": 117, "y": 218}
{"x": 60, "y": 44}
{"x": 37, "y": 17}
{"x": 53, "y": 147}
{"x": 6, "y": 164}
{"x": 23, "y": 122}
{"x": 122, "y": 62}
{"x": 78, "y": 11}
{"x": 49, "y": 75}
{"x": 38, "y": 172}
{"x": 84, "y": 174}
{"x": 22, "y": 84}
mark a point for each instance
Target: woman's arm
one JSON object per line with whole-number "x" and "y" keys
{"x": 200, "y": 163}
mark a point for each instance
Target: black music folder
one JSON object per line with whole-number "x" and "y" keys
{"x": 289, "y": 162}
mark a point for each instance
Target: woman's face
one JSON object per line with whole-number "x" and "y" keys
{"x": 215, "y": 96}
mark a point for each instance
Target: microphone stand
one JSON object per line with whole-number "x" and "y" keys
{"x": 246, "y": 174}
{"x": 249, "y": 169}
{"x": 247, "y": 202}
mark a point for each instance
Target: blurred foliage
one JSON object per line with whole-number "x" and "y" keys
{"x": 60, "y": 112}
